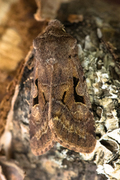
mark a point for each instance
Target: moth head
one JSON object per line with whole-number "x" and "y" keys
{"x": 55, "y": 24}
{"x": 54, "y": 28}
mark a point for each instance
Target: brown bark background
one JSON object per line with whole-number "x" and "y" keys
{"x": 20, "y": 22}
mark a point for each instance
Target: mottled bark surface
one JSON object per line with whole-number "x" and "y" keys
{"x": 95, "y": 25}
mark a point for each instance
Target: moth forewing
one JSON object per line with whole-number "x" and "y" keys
{"x": 61, "y": 101}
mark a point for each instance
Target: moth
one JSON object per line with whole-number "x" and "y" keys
{"x": 60, "y": 105}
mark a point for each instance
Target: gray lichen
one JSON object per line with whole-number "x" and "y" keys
{"x": 104, "y": 94}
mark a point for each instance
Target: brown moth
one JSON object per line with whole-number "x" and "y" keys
{"x": 60, "y": 104}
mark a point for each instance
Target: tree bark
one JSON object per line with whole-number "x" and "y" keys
{"x": 95, "y": 25}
